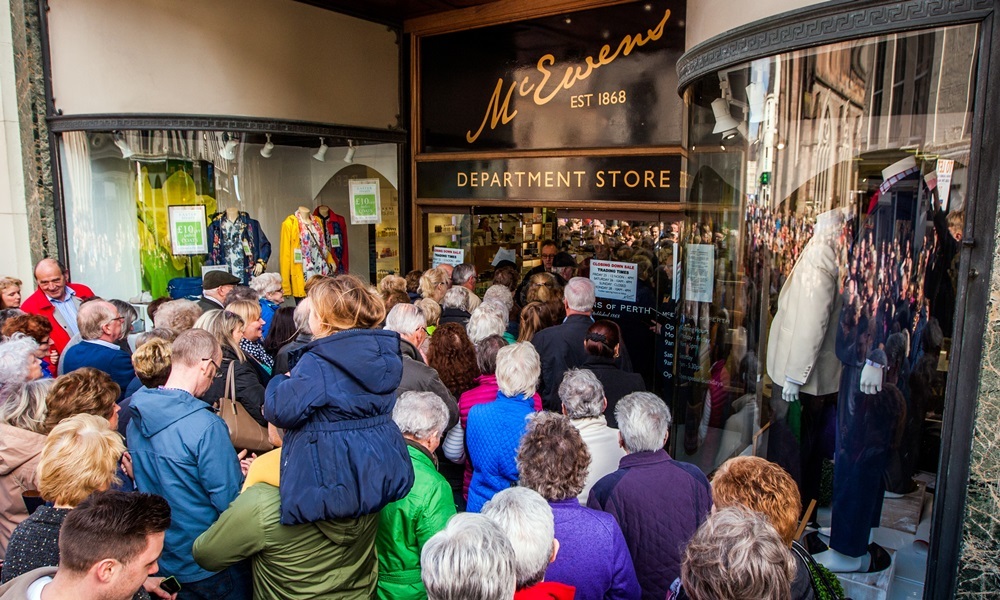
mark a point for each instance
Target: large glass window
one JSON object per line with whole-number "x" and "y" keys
{"x": 830, "y": 187}
{"x": 147, "y": 209}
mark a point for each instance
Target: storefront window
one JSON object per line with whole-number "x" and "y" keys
{"x": 827, "y": 194}
{"x": 150, "y": 211}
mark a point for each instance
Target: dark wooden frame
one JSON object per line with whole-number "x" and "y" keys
{"x": 842, "y": 20}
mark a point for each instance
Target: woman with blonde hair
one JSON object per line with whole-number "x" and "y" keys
{"x": 22, "y": 437}
{"x": 80, "y": 457}
{"x": 434, "y": 283}
{"x": 252, "y": 343}
{"x": 432, "y": 312}
{"x": 10, "y": 292}
{"x": 535, "y": 316}
{"x": 543, "y": 287}
{"x": 227, "y": 328}
{"x": 342, "y": 456}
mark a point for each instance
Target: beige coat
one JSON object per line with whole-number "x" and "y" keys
{"x": 802, "y": 342}
{"x": 20, "y": 451}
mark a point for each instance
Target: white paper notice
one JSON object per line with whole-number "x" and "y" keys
{"x": 447, "y": 256}
{"x": 945, "y": 168}
{"x": 615, "y": 280}
{"x": 700, "y": 272}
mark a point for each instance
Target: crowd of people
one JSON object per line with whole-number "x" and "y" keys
{"x": 428, "y": 443}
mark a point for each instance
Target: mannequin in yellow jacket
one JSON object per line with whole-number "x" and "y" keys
{"x": 293, "y": 279}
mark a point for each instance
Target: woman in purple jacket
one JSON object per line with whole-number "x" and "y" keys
{"x": 593, "y": 556}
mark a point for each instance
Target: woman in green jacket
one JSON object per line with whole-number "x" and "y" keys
{"x": 406, "y": 525}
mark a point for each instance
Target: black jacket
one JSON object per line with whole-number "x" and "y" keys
{"x": 249, "y": 384}
{"x": 454, "y": 315}
{"x": 617, "y": 383}
{"x": 419, "y": 377}
{"x": 207, "y": 304}
{"x": 561, "y": 348}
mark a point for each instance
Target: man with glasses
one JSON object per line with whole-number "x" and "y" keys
{"x": 464, "y": 275}
{"x": 548, "y": 255}
{"x": 100, "y": 326}
{"x": 57, "y": 300}
{"x": 181, "y": 450}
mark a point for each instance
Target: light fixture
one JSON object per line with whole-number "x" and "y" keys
{"x": 268, "y": 147}
{"x": 724, "y": 122}
{"x": 755, "y": 100}
{"x": 349, "y": 156}
{"x": 321, "y": 153}
{"x": 228, "y": 151}
{"x": 119, "y": 138}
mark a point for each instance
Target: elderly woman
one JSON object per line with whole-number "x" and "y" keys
{"x": 406, "y": 525}
{"x": 489, "y": 319}
{"x": 227, "y": 328}
{"x": 502, "y": 295}
{"x": 80, "y": 457}
{"x": 10, "y": 292}
{"x": 342, "y": 456}
{"x": 593, "y": 557}
{"x": 84, "y": 391}
{"x": 22, "y": 436}
{"x": 582, "y": 397}
{"x": 37, "y": 328}
{"x": 270, "y": 297}
{"x": 494, "y": 430}
{"x": 457, "y": 305}
{"x": 432, "y": 312}
{"x": 18, "y": 362}
{"x": 470, "y": 558}
{"x": 252, "y": 341}
{"x": 434, "y": 283}
{"x": 603, "y": 346}
{"x": 152, "y": 368}
{"x": 453, "y": 356}
{"x": 177, "y": 315}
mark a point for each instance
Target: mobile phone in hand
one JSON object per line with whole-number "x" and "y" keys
{"x": 170, "y": 585}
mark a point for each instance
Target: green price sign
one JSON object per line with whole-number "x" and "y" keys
{"x": 364, "y": 205}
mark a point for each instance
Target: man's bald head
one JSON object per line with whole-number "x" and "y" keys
{"x": 50, "y": 275}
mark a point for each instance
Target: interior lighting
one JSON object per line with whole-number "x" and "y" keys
{"x": 321, "y": 153}
{"x": 268, "y": 147}
{"x": 119, "y": 138}
{"x": 349, "y": 156}
{"x": 724, "y": 122}
{"x": 228, "y": 151}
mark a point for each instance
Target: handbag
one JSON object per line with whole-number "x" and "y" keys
{"x": 244, "y": 432}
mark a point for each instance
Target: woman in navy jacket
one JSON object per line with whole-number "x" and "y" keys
{"x": 342, "y": 457}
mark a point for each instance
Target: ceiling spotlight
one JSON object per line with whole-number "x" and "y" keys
{"x": 724, "y": 122}
{"x": 268, "y": 147}
{"x": 228, "y": 151}
{"x": 349, "y": 156}
{"x": 119, "y": 138}
{"x": 321, "y": 153}
{"x": 755, "y": 99}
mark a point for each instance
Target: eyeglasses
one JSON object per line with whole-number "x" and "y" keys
{"x": 548, "y": 256}
{"x": 214, "y": 364}
{"x": 118, "y": 318}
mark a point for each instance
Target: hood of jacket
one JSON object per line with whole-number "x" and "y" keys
{"x": 17, "y": 447}
{"x": 155, "y": 410}
{"x": 369, "y": 357}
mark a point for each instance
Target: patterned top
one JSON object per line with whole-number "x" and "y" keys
{"x": 232, "y": 234}
{"x": 35, "y": 543}
{"x": 314, "y": 249}
{"x": 256, "y": 350}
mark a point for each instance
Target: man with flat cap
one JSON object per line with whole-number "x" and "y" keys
{"x": 216, "y": 285}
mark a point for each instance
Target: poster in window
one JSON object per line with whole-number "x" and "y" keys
{"x": 700, "y": 277}
{"x": 365, "y": 202}
{"x": 188, "y": 233}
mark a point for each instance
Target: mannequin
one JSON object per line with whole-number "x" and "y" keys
{"x": 335, "y": 232}
{"x": 304, "y": 252}
{"x": 237, "y": 241}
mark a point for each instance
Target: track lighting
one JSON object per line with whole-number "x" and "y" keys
{"x": 349, "y": 156}
{"x": 228, "y": 151}
{"x": 119, "y": 139}
{"x": 724, "y": 122}
{"x": 268, "y": 147}
{"x": 321, "y": 153}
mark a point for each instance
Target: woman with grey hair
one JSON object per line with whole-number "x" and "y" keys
{"x": 269, "y": 291}
{"x": 494, "y": 429}
{"x": 527, "y": 520}
{"x": 457, "y": 306}
{"x": 735, "y": 555}
{"x": 129, "y": 316}
{"x": 177, "y": 315}
{"x": 407, "y": 524}
{"x": 470, "y": 558}
{"x": 502, "y": 295}
{"x": 583, "y": 402}
{"x": 18, "y": 362}
{"x": 485, "y": 321}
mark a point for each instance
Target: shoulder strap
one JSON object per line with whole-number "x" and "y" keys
{"x": 231, "y": 381}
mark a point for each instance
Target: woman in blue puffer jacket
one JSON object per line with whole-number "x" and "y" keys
{"x": 343, "y": 457}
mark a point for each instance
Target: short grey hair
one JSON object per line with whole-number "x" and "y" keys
{"x": 92, "y": 316}
{"x": 582, "y": 394}
{"x": 579, "y": 294}
{"x": 643, "y": 421}
{"x": 736, "y": 553}
{"x": 17, "y": 355}
{"x": 405, "y": 319}
{"x": 462, "y": 273}
{"x": 500, "y": 294}
{"x": 422, "y": 415}
{"x": 192, "y": 346}
{"x": 266, "y": 283}
{"x": 485, "y": 321}
{"x": 177, "y": 315}
{"x": 518, "y": 368}
{"x": 24, "y": 405}
{"x": 528, "y": 521}
{"x": 301, "y": 316}
{"x": 460, "y": 298}
{"x": 470, "y": 558}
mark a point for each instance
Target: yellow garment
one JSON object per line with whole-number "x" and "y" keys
{"x": 265, "y": 469}
{"x": 293, "y": 279}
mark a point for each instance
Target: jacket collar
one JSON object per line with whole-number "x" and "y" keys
{"x": 408, "y": 349}
{"x": 421, "y": 452}
{"x": 640, "y": 459}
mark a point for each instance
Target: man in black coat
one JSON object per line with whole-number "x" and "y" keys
{"x": 216, "y": 286}
{"x": 561, "y": 347}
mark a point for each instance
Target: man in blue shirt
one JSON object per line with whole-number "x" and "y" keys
{"x": 100, "y": 327}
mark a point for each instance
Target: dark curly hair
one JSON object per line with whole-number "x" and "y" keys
{"x": 553, "y": 459}
{"x": 453, "y": 356}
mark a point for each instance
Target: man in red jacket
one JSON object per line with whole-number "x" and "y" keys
{"x": 58, "y": 301}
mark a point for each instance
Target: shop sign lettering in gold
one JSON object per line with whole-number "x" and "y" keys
{"x": 604, "y": 178}
{"x": 543, "y": 91}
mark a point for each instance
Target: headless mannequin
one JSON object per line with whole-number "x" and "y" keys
{"x": 303, "y": 212}
{"x": 233, "y": 213}
{"x": 324, "y": 211}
